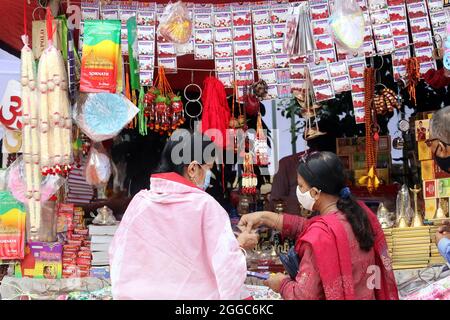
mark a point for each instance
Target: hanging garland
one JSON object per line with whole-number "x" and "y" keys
{"x": 413, "y": 75}
{"x": 30, "y": 136}
{"x": 371, "y": 179}
{"x": 55, "y": 121}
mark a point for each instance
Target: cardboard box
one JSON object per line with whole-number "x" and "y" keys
{"x": 444, "y": 204}
{"x": 429, "y": 189}
{"x": 439, "y": 173}
{"x": 383, "y": 175}
{"x": 427, "y": 167}
{"x": 422, "y": 130}
{"x": 424, "y": 151}
{"x": 443, "y": 187}
{"x": 430, "y": 208}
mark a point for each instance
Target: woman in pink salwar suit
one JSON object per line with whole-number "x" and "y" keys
{"x": 343, "y": 253}
{"x": 175, "y": 241}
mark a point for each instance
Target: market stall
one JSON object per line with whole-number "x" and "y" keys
{"x": 104, "y": 84}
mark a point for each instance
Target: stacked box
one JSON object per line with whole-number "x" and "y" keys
{"x": 77, "y": 257}
{"x": 435, "y": 256}
{"x": 411, "y": 247}
{"x": 436, "y": 183}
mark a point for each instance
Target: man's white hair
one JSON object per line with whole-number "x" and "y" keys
{"x": 440, "y": 125}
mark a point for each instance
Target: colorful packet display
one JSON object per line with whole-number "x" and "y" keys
{"x": 101, "y": 56}
{"x": 320, "y": 13}
{"x": 381, "y": 26}
{"x": 356, "y": 72}
{"x": 321, "y": 82}
{"x": 421, "y": 34}
{"x": 42, "y": 261}
{"x": 146, "y": 34}
{"x": 12, "y": 227}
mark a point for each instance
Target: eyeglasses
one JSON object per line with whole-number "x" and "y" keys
{"x": 428, "y": 142}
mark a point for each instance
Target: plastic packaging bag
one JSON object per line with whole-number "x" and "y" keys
{"x": 18, "y": 187}
{"x": 347, "y": 24}
{"x": 101, "y": 56}
{"x": 104, "y": 216}
{"x": 98, "y": 166}
{"x": 101, "y": 116}
{"x": 299, "y": 40}
{"x": 176, "y": 24}
{"x": 12, "y": 228}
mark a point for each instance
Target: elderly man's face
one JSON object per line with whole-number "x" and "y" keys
{"x": 437, "y": 147}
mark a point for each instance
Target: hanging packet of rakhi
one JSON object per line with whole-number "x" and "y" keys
{"x": 12, "y": 227}
{"x": 133, "y": 53}
{"x": 100, "y": 56}
{"x": 261, "y": 147}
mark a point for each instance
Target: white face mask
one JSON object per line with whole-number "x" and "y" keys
{"x": 305, "y": 199}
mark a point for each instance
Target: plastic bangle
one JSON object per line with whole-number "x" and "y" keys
{"x": 243, "y": 251}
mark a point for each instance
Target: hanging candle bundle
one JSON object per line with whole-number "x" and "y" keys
{"x": 261, "y": 147}
{"x": 55, "y": 121}
{"x": 30, "y": 137}
{"x": 249, "y": 179}
{"x": 413, "y": 75}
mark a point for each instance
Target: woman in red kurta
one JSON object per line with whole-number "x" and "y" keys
{"x": 343, "y": 252}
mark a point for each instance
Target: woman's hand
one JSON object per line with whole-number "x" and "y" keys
{"x": 274, "y": 282}
{"x": 445, "y": 227}
{"x": 443, "y": 232}
{"x": 441, "y": 235}
{"x": 254, "y": 220}
{"x": 248, "y": 240}
{"x": 251, "y": 221}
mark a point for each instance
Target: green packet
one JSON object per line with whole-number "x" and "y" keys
{"x": 133, "y": 53}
